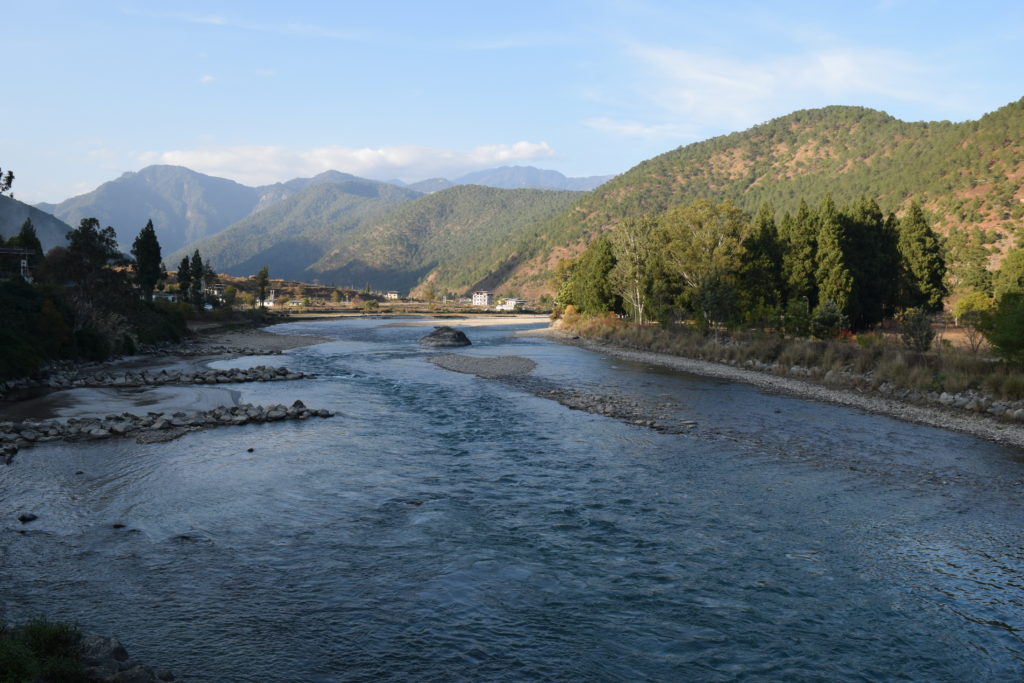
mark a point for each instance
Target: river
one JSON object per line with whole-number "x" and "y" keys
{"x": 445, "y": 527}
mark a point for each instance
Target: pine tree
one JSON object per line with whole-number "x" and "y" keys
{"x": 923, "y": 267}
{"x": 262, "y": 282}
{"x": 799, "y": 261}
{"x": 198, "y": 272}
{"x": 184, "y": 279}
{"x": 27, "y": 238}
{"x": 149, "y": 269}
{"x": 761, "y": 279}
{"x": 835, "y": 284}
{"x": 873, "y": 259}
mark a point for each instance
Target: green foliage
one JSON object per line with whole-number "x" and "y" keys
{"x": 801, "y": 254}
{"x": 1004, "y": 327}
{"x": 6, "y": 181}
{"x": 197, "y": 269}
{"x": 827, "y": 320}
{"x": 41, "y": 651}
{"x": 149, "y": 269}
{"x": 634, "y": 246}
{"x": 923, "y": 266}
{"x": 916, "y": 330}
{"x": 262, "y": 283}
{"x": 1010, "y": 277}
{"x": 835, "y": 284}
{"x": 27, "y": 238}
{"x": 592, "y": 291}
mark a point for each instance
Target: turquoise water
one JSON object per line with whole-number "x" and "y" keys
{"x": 444, "y": 527}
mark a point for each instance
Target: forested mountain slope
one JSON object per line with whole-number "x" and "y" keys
{"x": 966, "y": 175}
{"x": 294, "y": 232}
{"x": 184, "y": 206}
{"x": 453, "y": 240}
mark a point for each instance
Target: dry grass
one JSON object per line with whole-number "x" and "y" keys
{"x": 872, "y": 360}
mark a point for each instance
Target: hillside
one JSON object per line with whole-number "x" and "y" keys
{"x": 296, "y": 231}
{"x": 967, "y": 175}
{"x": 185, "y": 206}
{"x": 50, "y": 230}
{"x": 456, "y": 239}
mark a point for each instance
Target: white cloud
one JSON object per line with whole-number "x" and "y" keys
{"x": 206, "y": 79}
{"x": 637, "y": 129}
{"x": 685, "y": 95}
{"x": 717, "y": 92}
{"x": 263, "y": 164}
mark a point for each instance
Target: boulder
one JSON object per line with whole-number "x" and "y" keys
{"x": 444, "y": 336}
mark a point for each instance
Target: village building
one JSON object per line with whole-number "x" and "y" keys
{"x": 511, "y": 305}
{"x": 483, "y": 298}
{"x": 392, "y": 296}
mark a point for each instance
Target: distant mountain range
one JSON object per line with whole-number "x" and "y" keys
{"x": 511, "y": 178}
{"x": 186, "y": 206}
{"x": 452, "y": 235}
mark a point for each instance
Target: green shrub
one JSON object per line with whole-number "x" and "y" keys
{"x": 41, "y": 650}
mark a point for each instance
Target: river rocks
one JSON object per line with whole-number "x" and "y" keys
{"x": 74, "y": 378}
{"x": 105, "y": 659}
{"x": 444, "y": 336}
{"x": 150, "y": 428}
{"x": 27, "y": 517}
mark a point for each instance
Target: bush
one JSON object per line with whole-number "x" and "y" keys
{"x": 41, "y": 650}
{"x": 1004, "y": 327}
{"x": 916, "y": 330}
{"x": 827, "y": 320}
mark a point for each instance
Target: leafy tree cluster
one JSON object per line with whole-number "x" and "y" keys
{"x": 814, "y": 271}
{"x": 87, "y": 300}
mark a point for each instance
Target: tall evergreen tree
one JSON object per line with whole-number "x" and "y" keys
{"x": 873, "y": 259}
{"x": 149, "y": 269}
{"x": 27, "y": 238}
{"x": 800, "y": 258}
{"x": 185, "y": 279}
{"x": 593, "y": 291}
{"x": 835, "y": 284}
{"x": 761, "y": 279}
{"x": 198, "y": 271}
{"x": 922, "y": 264}
{"x": 262, "y": 283}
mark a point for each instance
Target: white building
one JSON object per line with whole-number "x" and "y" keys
{"x": 511, "y": 304}
{"x": 483, "y": 298}
{"x": 392, "y": 296}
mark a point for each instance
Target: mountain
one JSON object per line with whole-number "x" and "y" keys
{"x": 431, "y": 185}
{"x": 50, "y": 230}
{"x": 453, "y": 240}
{"x": 966, "y": 175}
{"x": 297, "y": 230}
{"x": 511, "y": 177}
{"x": 185, "y": 206}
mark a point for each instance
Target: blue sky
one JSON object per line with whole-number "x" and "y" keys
{"x": 264, "y": 92}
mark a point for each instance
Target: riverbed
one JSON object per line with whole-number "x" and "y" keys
{"x": 449, "y": 527}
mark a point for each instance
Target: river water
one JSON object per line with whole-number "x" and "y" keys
{"x": 444, "y": 527}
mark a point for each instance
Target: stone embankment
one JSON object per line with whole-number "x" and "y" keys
{"x": 150, "y": 428}
{"x": 73, "y": 378}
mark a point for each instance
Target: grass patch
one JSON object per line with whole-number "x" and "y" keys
{"x": 41, "y": 650}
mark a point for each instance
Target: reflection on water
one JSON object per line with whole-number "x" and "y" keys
{"x": 445, "y": 527}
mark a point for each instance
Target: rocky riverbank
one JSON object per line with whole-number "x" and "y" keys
{"x": 105, "y": 659}
{"x": 515, "y": 371}
{"x": 968, "y": 413}
{"x": 153, "y": 427}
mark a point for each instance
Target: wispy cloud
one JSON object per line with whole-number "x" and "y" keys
{"x": 206, "y": 79}
{"x": 709, "y": 91}
{"x": 262, "y": 164}
{"x": 637, "y": 129}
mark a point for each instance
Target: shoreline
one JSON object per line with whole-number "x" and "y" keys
{"x": 974, "y": 424}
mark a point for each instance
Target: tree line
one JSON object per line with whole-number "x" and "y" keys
{"x": 815, "y": 271}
